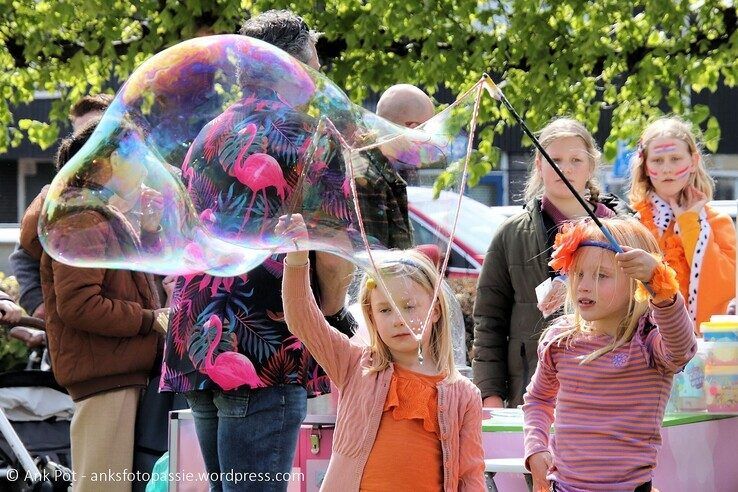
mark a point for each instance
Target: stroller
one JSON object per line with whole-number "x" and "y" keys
{"x": 35, "y": 414}
{"x": 35, "y": 449}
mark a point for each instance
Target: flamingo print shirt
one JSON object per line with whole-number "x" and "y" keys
{"x": 227, "y": 333}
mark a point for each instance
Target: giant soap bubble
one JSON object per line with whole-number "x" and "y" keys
{"x": 209, "y": 142}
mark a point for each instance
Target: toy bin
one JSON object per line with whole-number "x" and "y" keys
{"x": 721, "y": 353}
{"x": 721, "y": 385}
{"x": 719, "y": 331}
{"x": 688, "y": 390}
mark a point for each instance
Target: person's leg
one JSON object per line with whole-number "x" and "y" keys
{"x": 258, "y": 435}
{"x": 205, "y": 415}
{"x": 101, "y": 434}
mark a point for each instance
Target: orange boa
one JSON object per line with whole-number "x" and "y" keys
{"x": 672, "y": 248}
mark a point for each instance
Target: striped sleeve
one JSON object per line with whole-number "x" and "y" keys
{"x": 673, "y": 344}
{"x": 540, "y": 402}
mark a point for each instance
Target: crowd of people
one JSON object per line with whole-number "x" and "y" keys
{"x": 584, "y": 334}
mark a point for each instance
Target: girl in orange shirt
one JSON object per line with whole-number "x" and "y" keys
{"x": 670, "y": 189}
{"x": 407, "y": 420}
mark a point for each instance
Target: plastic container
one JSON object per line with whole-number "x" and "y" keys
{"x": 721, "y": 353}
{"x": 688, "y": 392}
{"x": 720, "y": 331}
{"x": 721, "y": 385}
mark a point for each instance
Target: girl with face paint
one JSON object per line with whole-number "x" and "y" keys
{"x": 670, "y": 188}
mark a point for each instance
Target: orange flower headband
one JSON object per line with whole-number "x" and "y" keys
{"x": 663, "y": 284}
{"x": 567, "y": 242}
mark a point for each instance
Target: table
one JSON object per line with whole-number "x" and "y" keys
{"x": 698, "y": 451}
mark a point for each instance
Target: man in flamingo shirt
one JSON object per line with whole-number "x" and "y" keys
{"x": 228, "y": 349}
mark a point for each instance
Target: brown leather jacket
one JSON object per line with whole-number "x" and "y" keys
{"x": 98, "y": 321}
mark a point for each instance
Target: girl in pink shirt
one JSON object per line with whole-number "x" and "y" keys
{"x": 406, "y": 420}
{"x": 605, "y": 370}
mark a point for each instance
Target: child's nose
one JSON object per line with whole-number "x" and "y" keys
{"x": 585, "y": 285}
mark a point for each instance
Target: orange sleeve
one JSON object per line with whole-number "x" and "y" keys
{"x": 720, "y": 254}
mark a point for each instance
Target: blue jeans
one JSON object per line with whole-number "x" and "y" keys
{"x": 248, "y": 432}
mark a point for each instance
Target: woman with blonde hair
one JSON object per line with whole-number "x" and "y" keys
{"x": 506, "y": 315}
{"x": 670, "y": 188}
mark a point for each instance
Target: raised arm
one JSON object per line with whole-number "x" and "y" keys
{"x": 674, "y": 343}
{"x": 333, "y": 350}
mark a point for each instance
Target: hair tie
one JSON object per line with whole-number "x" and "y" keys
{"x": 599, "y": 244}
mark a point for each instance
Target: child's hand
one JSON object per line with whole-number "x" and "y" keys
{"x": 294, "y": 227}
{"x": 637, "y": 263}
{"x": 493, "y": 401}
{"x": 540, "y": 464}
{"x": 693, "y": 200}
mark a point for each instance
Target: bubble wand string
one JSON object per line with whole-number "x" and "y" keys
{"x": 479, "y": 88}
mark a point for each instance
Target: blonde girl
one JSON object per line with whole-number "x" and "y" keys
{"x": 605, "y": 369}
{"x": 670, "y": 188}
{"x": 402, "y": 424}
{"x": 506, "y": 316}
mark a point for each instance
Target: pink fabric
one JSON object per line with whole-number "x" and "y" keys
{"x": 608, "y": 411}
{"x": 362, "y": 397}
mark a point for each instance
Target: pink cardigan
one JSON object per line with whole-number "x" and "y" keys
{"x": 362, "y": 396}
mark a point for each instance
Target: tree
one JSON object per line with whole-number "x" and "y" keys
{"x": 630, "y": 58}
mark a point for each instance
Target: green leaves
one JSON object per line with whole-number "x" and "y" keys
{"x": 40, "y": 133}
{"x": 712, "y": 135}
{"x": 559, "y": 58}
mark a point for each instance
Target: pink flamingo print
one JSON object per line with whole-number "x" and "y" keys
{"x": 346, "y": 188}
{"x": 258, "y": 171}
{"x": 208, "y": 216}
{"x": 229, "y": 370}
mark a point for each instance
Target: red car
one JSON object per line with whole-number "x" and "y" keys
{"x": 432, "y": 220}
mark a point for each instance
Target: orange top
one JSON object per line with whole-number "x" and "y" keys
{"x": 717, "y": 274}
{"x": 407, "y": 450}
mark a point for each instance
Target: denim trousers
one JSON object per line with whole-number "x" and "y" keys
{"x": 248, "y": 437}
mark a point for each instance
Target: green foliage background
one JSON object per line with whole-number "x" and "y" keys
{"x": 13, "y": 353}
{"x": 564, "y": 57}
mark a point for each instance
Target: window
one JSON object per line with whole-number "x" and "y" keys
{"x": 8, "y": 192}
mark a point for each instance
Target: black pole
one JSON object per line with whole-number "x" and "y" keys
{"x": 499, "y": 95}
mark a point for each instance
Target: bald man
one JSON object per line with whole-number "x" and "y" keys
{"x": 382, "y": 190}
{"x": 405, "y": 105}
